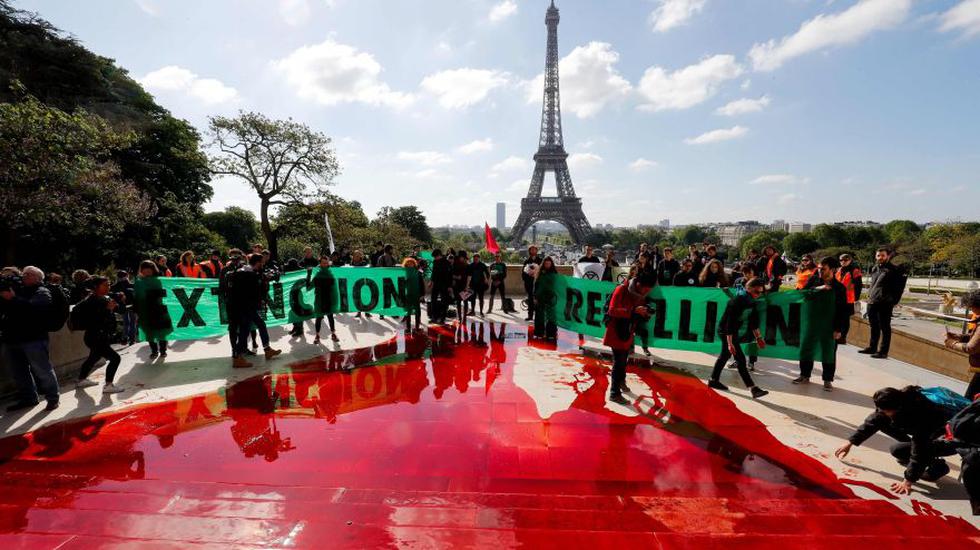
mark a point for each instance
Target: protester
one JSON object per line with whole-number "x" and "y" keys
{"x": 498, "y": 275}
{"x": 528, "y": 272}
{"x": 124, "y": 293}
{"x": 545, "y": 317}
{"x": 916, "y": 423}
{"x": 850, "y": 276}
{"x": 414, "y": 308}
{"x": 884, "y": 293}
{"x": 969, "y": 343}
{"x": 212, "y": 268}
{"x": 697, "y": 260}
{"x": 627, "y": 309}
{"x": 806, "y": 270}
{"x": 387, "y": 257}
{"x": 379, "y": 250}
{"x": 668, "y": 268}
{"x": 441, "y": 281}
{"x": 713, "y": 275}
{"x": 610, "y": 266}
{"x": 162, "y": 269}
{"x": 81, "y": 286}
{"x": 235, "y": 256}
{"x": 745, "y": 274}
{"x": 258, "y": 248}
{"x": 358, "y": 260}
{"x": 309, "y": 260}
{"x": 686, "y": 276}
{"x": 188, "y": 267}
{"x": 97, "y": 313}
{"x": 825, "y": 280}
{"x": 730, "y": 330}
{"x": 158, "y": 347}
{"x": 246, "y": 287}
{"x": 963, "y": 433}
{"x": 325, "y": 304}
{"x": 589, "y": 257}
{"x": 772, "y": 267}
{"x": 478, "y": 275}
{"x": 641, "y": 251}
{"x": 24, "y": 310}
{"x": 460, "y": 279}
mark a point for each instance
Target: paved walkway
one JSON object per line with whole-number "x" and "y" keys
{"x": 462, "y": 436}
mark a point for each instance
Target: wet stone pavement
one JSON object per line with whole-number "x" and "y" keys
{"x": 465, "y": 436}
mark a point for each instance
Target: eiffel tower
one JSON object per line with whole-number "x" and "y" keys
{"x": 566, "y": 208}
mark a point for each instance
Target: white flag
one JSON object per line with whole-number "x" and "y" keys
{"x": 326, "y": 221}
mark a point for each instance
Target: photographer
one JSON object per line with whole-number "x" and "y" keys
{"x": 969, "y": 343}
{"x": 96, "y": 314}
{"x": 25, "y": 306}
{"x": 627, "y": 309}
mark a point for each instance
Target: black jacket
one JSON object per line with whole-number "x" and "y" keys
{"x": 887, "y": 284}
{"x": 731, "y": 319}
{"x": 479, "y": 275}
{"x": 25, "y": 316}
{"x": 920, "y": 421}
{"x": 529, "y": 260}
{"x": 666, "y": 270}
{"x": 100, "y": 323}
{"x": 244, "y": 288}
{"x": 778, "y": 268}
{"x": 312, "y": 261}
{"x": 125, "y": 287}
{"x": 686, "y": 279}
{"x": 442, "y": 273}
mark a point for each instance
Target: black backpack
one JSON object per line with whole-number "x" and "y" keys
{"x": 965, "y": 425}
{"x": 58, "y": 312}
{"x": 80, "y": 317}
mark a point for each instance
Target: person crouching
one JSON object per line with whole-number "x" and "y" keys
{"x": 627, "y": 307}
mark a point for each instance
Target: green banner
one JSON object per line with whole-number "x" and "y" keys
{"x": 176, "y": 308}
{"x": 795, "y": 324}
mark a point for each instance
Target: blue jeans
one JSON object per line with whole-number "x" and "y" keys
{"x": 32, "y": 371}
{"x": 129, "y": 325}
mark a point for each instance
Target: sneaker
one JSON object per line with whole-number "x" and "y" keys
{"x": 879, "y": 356}
{"x": 828, "y": 386}
{"x": 240, "y": 363}
{"x": 867, "y": 351}
{"x": 758, "y": 392}
{"x": 153, "y": 355}
{"x": 250, "y": 352}
{"x": 21, "y": 406}
{"x": 715, "y": 384}
{"x": 85, "y": 383}
{"x": 163, "y": 354}
{"x": 646, "y": 351}
{"x": 112, "y": 388}
{"x": 618, "y": 398}
{"x": 52, "y": 405}
{"x": 801, "y": 380}
{"x": 334, "y": 337}
{"x": 270, "y": 353}
{"x": 316, "y": 339}
{"x": 752, "y": 366}
{"x": 731, "y": 364}
{"x": 623, "y": 388}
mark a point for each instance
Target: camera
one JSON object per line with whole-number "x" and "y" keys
{"x": 10, "y": 282}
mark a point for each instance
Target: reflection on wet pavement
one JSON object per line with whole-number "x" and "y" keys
{"x": 456, "y": 437}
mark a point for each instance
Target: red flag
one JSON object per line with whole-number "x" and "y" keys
{"x": 491, "y": 242}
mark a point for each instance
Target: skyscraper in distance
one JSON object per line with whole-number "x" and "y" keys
{"x": 501, "y": 216}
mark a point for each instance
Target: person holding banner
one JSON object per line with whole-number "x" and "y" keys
{"x": 730, "y": 330}
{"x": 825, "y": 280}
{"x": 627, "y": 309}
{"x": 498, "y": 273}
{"x": 528, "y": 273}
{"x": 545, "y": 318}
{"x": 589, "y": 257}
{"x": 413, "y": 305}
{"x": 667, "y": 268}
{"x": 326, "y": 306}
{"x": 610, "y": 263}
{"x": 686, "y": 276}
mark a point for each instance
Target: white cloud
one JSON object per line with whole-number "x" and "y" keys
{"x": 330, "y": 73}
{"x": 721, "y": 134}
{"x": 674, "y": 13}
{"x": 510, "y": 164}
{"x": 461, "y": 88}
{"x": 742, "y": 106}
{"x": 424, "y": 158}
{"x": 779, "y": 179}
{"x": 641, "y": 164}
{"x": 578, "y": 161}
{"x": 825, "y": 31}
{"x": 477, "y": 146}
{"x": 589, "y": 80}
{"x": 964, "y": 17}
{"x": 788, "y": 198}
{"x": 180, "y": 80}
{"x": 502, "y": 10}
{"x": 149, "y": 7}
{"x": 687, "y": 87}
{"x": 295, "y": 12}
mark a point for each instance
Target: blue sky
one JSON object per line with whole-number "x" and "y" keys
{"x": 692, "y": 110}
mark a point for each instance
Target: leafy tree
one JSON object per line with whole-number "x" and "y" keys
{"x": 283, "y": 161}
{"x": 830, "y": 235}
{"x": 58, "y": 180}
{"x": 236, "y": 225}
{"x": 902, "y": 231}
{"x": 798, "y": 244}
{"x": 761, "y": 239}
{"x": 413, "y": 220}
{"x": 304, "y": 222}
{"x": 690, "y": 235}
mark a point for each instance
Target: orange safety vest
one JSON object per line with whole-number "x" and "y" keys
{"x": 802, "y": 276}
{"x": 846, "y": 278}
{"x": 193, "y": 271}
{"x": 214, "y": 267}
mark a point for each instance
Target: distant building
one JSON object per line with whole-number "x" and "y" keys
{"x": 851, "y": 223}
{"x": 501, "y": 216}
{"x": 779, "y": 225}
{"x": 664, "y": 224}
{"x": 799, "y": 227}
{"x": 732, "y": 233}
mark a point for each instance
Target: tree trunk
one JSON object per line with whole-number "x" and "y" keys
{"x": 271, "y": 240}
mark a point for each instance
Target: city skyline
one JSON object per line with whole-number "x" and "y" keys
{"x": 798, "y": 110}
